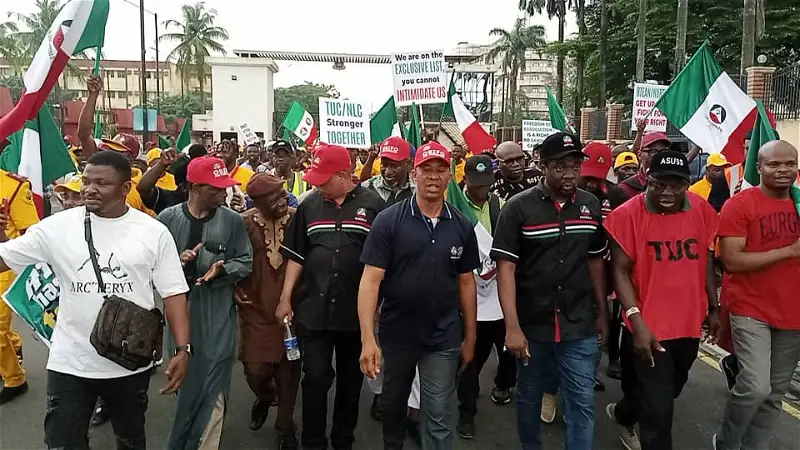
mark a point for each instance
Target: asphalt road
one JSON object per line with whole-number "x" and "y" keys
{"x": 697, "y": 414}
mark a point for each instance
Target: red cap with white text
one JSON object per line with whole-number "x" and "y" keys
{"x": 430, "y": 151}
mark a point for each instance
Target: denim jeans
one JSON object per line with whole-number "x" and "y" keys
{"x": 71, "y": 400}
{"x": 575, "y": 365}
{"x": 437, "y": 374}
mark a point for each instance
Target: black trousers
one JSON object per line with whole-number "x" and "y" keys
{"x": 71, "y": 401}
{"x": 317, "y": 352}
{"x": 490, "y": 334}
{"x": 649, "y": 392}
{"x": 614, "y": 329}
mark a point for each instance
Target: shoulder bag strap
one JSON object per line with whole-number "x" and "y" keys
{"x": 93, "y": 253}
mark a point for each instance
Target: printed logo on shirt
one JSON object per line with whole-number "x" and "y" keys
{"x": 585, "y": 213}
{"x": 109, "y": 267}
{"x": 455, "y": 252}
{"x": 675, "y": 250}
{"x": 361, "y": 214}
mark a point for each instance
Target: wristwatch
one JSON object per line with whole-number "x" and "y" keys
{"x": 183, "y": 348}
{"x": 631, "y": 311}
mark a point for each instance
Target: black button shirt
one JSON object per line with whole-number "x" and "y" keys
{"x": 550, "y": 245}
{"x": 327, "y": 239}
{"x": 423, "y": 261}
{"x": 506, "y": 189}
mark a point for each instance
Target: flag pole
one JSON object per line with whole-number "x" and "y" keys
{"x": 98, "y": 126}
{"x": 441, "y": 116}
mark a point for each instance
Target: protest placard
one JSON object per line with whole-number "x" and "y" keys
{"x": 33, "y": 296}
{"x": 247, "y": 134}
{"x": 344, "y": 122}
{"x": 534, "y": 132}
{"x": 644, "y": 97}
{"x": 419, "y": 77}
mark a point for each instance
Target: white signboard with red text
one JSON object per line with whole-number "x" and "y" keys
{"x": 644, "y": 97}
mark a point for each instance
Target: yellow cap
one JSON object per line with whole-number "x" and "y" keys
{"x": 717, "y": 160}
{"x": 625, "y": 158}
{"x": 153, "y": 154}
{"x": 72, "y": 184}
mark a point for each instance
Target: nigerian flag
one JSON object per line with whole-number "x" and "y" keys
{"x": 762, "y": 133}
{"x": 558, "y": 119}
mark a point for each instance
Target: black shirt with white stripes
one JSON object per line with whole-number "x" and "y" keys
{"x": 551, "y": 245}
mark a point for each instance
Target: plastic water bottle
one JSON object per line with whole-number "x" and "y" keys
{"x": 290, "y": 342}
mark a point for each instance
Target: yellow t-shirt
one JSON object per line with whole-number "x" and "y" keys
{"x": 376, "y": 167}
{"x": 242, "y": 175}
{"x": 460, "y": 168}
{"x": 701, "y": 188}
{"x": 22, "y": 212}
{"x": 134, "y": 200}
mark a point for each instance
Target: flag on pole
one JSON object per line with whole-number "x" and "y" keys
{"x": 414, "y": 135}
{"x": 478, "y": 140}
{"x": 301, "y": 123}
{"x": 384, "y": 122}
{"x": 184, "y": 139}
{"x": 708, "y": 107}
{"x": 762, "y": 133}
{"x": 38, "y": 153}
{"x": 80, "y": 25}
{"x": 163, "y": 143}
{"x": 486, "y": 275}
{"x": 558, "y": 119}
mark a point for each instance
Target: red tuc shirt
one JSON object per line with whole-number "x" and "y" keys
{"x": 771, "y": 295}
{"x": 670, "y": 255}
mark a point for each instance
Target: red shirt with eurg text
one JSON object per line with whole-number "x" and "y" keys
{"x": 670, "y": 257}
{"x": 771, "y": 295}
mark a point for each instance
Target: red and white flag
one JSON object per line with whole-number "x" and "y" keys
{"x": 477, "y": 138}
{"x": 80, "y": 25}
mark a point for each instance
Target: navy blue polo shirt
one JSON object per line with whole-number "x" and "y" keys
{"x": 422, "y": 259}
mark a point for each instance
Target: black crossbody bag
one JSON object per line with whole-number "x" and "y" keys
{"x": 124, "y": 332}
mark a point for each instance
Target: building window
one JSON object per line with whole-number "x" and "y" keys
{"x": 111, "y": 94}
{"x": 122, "y": 94}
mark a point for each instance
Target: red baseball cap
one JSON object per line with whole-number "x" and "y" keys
{"x": 599, "y": 160}
{"x": 649, "y": 138}
{"x": 395, "y": 148}
{"x": 209, "y": 170}
{"x": 430, "y": 151}
{"x": 328, "y": 160}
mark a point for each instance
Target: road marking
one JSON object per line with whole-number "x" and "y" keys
{"x": 789, "y": 408}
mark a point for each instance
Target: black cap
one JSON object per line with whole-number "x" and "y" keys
{"x": 478, "y": 170}
{"x": 669, "y": 163}
{"x": 283, "y": 145}
{"x": 560, "y": 145}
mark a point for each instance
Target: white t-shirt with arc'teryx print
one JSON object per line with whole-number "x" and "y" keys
{"x": 136, "y": 254}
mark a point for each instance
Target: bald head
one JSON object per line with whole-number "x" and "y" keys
{"x": 777, "y": 150}
{"x": 509, "y": 150}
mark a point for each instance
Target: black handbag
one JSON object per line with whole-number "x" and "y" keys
{"x": 124, "y": 332}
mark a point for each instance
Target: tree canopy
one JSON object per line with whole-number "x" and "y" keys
{"x": 307, "y": 94}
{"x": 175, "y": 107}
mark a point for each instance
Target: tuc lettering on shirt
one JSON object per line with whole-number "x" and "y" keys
{"x": 92, "y": 287}
{"x": 676, "y": 250}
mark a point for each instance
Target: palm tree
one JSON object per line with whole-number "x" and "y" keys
{"x": 641, "y": 29}
{"x": 11, "y": 49}
{"x": 554, "y": 8}
{"x": 602, "y": 52}
{"x": 680, "y": 35}
{"x": 37, "y": 23}
{"x": 512, "y": 48}
{"x": 580, "y": 56}
{"x": 748, "y": 35}
{"x": 196, "y": 38}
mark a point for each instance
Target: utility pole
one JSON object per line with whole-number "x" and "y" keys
{"x": 143, "y": 75}
{"x": 158, "y": 75}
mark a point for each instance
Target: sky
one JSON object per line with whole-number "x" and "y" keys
{"x": 346, "y": 26}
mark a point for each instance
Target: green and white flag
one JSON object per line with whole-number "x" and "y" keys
{"x": 558, "y": 119}
{"x": 708, "y": 107}
{"x": 184, "y": 139}
{"x": 301, "y": 123}
{"x": 384, "y": 122}
{"x": 33, "y": 296}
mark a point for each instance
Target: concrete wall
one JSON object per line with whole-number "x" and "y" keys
{"x": 790, "y": 131}
{"x": 243, "y": 91}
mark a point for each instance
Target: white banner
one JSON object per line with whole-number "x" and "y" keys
{"x": 644, "y": 97}
{"x": 344, "y": 122}
{"x": 534, "y": 132}
{"x": 419, "y": 77}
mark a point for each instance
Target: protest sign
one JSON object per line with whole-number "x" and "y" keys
{"x": 534, "y": 132}
{"x": 644, "y": 97}
{"x": 33, "y": 296}
{"x": 344, "y": 122}
{"x": 419, "y": 77}
{"x": 247, "y": 134}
